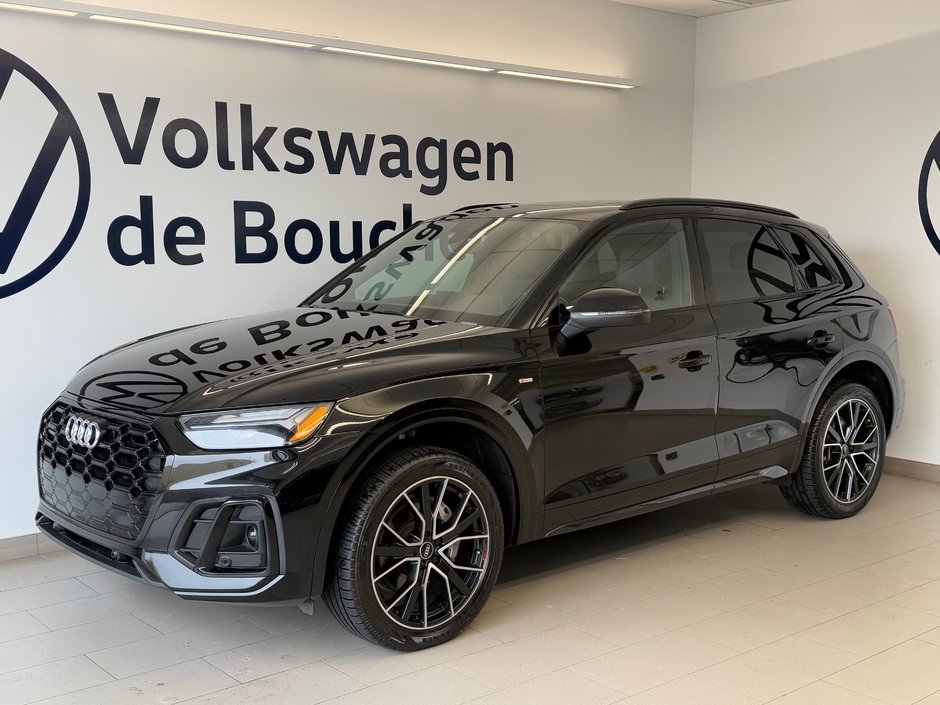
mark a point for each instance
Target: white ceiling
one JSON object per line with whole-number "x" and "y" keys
{"x": 698, "y": 8}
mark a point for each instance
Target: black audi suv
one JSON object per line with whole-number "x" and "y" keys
{"x": 493, "y": 376}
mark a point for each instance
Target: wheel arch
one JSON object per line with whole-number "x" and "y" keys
{"x": 458, "y": 424}
{"x": 863, "y": 367}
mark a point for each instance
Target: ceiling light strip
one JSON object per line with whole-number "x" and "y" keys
{"x": 331, "y": 45}
{"x": 409, "y": 59}
{"x": 37, "y": 9}
{"x": 199, "y": 30}
{"x": 566, "y": 79}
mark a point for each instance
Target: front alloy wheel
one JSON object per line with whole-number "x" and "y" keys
{"x": 429, "y": 553}
{"x": 420, "y": 552}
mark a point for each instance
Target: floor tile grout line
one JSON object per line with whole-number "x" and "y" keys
{"x": 475, "y": 680}
{"x": 262, "y": 627}
{"x": 494, "y": 646}
{"x": 878, "y": 653}
{"x": 848, "y": 687}
{"x": 567, "y": 669}
{"x": 822, "y": 680}
{"x": 139, "y": 675}
{"x": 70, "y": 692}
{"x": 160, "y": 634}
{"x": 89, "y": 656}
{"x": 239, "y": 684}
{"x": 800, "y": 552}
{"x": 925, "y": 697}
{"x": 322, "y": 660}
{"x": 337, "y": 697}
{"x": 746, "y": 651}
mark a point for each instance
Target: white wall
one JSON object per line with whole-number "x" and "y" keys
{"x": 827, "y": 108}
{"x": 567, "y": 141}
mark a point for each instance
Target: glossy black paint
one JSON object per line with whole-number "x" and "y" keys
{"x": 572, "y": 431}
{"x": 623, "y": 421}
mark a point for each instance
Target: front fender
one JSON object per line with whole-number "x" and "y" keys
{"x": 498, "y": 404}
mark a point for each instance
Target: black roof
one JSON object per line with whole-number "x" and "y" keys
{"x": 592, "y": 210}
{"x": 706, "y": 203}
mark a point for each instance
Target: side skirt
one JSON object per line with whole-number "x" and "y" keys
{"x": 774, "y": 472}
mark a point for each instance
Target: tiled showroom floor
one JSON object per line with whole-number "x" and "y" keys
{"x": 735, "y": 599}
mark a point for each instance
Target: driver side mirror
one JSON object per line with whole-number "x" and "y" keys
{"x": 605, "y": 308}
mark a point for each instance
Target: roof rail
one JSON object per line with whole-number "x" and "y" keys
{"x": 714, "y": 202}
{"x": 482, "y": 205}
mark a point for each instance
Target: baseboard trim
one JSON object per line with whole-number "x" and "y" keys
{"x": 913, "y": 468}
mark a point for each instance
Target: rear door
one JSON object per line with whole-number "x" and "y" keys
{"x": 767, "y": 289}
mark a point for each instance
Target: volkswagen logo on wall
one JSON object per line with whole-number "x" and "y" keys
{"x": 930, "y": 170}
{"x": 82, "y": 432}
{"x": 46, "y": 178}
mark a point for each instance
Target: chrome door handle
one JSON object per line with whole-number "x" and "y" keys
{"x": 821, "y": 341}
{"x": 694, "y": 360}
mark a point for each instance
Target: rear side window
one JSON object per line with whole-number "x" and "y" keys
{"x": 743, "y": 261}
{"x": 797, "y": 242}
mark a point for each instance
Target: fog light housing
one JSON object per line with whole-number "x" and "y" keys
{"x": 234, "y": 538}
{"x": 251, "y": 536}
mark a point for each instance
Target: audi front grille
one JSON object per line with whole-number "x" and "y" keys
{"x": 100, "y": 471}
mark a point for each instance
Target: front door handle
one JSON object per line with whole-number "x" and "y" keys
{"x": 821, "y": 339}
{"x": 694, "y": 360}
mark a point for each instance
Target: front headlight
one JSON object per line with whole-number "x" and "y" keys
{"x": 253, "y": 428}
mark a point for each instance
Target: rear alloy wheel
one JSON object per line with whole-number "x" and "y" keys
{"x": 420, "y": 552}
{"x": 851, "y": 450}
{"x": 844, "y": 455}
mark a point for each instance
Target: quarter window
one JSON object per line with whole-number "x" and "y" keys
{"x": 815, "y": 273}
{"x": 743, "y": 261}
{"x": 649, "y": 258}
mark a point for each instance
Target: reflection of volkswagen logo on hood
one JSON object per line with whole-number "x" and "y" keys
{"x": 46, "y": 179}
{"x": 930, "y": 171}
{"x": 139, "y": 390}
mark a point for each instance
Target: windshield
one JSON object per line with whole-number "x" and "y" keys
{"x": 455, "y": 268}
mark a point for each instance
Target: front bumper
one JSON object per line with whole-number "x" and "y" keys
{"x": 194, "y": 539}
{"x": 177, "y": 569}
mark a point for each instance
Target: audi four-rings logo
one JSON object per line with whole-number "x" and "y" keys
{"x": 82, "y": 432}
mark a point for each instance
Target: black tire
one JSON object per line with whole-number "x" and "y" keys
{"x": 382, "y": 520}
{"x": 829, "y": 493}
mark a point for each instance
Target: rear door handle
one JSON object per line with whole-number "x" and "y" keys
{"x": 821, "y": 340}
{"x": 694, "y": 360}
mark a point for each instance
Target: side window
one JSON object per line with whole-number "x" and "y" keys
{"x": 796, "y": 241}
{"x": 743, "y": 261}
{"x": 649, "y": 258}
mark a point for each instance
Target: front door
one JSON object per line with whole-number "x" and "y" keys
{"x": 630, "y": 411}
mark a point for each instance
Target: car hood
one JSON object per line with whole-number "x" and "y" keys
{"x": 282, "y": 357}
